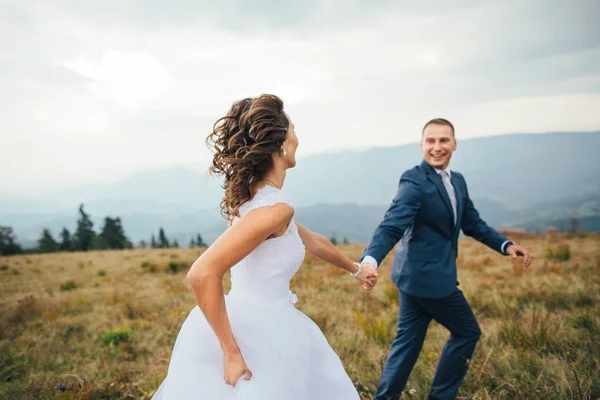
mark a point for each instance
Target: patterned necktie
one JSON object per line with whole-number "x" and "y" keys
{"x": 450, "y": 190}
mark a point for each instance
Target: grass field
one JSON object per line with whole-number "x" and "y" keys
{"x": 101, "y": 325}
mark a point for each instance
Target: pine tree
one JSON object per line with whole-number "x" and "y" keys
{"x": 66, "y": 243}
{"x": 8, "y": 242}
{"x": 333, "y": 240}
{"x": 113, "y": 234}
{"x": 84, "y": 235}
{"x": 153, "y": 242}
{"x": 200, "y": 242}
{"x": 192, "y": 243}
{"x": 163, "y": 242}
{"x": 47, "y": 244}
{"x": 142, "y": 244}
{"x": 175, "y": 244}
{"x": 345, "y": 241}
{"x": 99, "y": 243}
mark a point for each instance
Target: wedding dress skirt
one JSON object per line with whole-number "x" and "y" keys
{"x": 288, "y": 355}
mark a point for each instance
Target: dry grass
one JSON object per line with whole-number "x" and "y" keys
{"x": 101, "y": 325}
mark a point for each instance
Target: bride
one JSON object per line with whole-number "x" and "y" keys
{"x": 253, "y": 344}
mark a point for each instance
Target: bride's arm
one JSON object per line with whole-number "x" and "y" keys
{"x": 321, "y": 247}
{"x": 206, "y": 274}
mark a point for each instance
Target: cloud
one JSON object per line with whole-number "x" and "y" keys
{"x": 94, "y": 90}
{"x": 128, "y": 80}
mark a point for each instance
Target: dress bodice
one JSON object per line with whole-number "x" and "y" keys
{"x": 266, "y": 272}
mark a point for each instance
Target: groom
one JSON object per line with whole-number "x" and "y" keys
{"x": 431, "y": 206}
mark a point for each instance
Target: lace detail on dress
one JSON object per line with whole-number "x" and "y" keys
{"x": 266, "y": 196}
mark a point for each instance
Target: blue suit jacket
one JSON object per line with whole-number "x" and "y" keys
{"x": 421, "y": 218}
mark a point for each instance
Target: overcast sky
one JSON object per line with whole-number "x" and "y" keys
{"x": 94, "y": 91}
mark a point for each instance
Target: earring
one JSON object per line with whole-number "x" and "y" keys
{"x": 284, "y": 152}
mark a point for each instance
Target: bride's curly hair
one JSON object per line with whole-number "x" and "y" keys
{"x": 244, "y": 142}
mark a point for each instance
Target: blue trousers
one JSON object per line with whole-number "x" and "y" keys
{"x": 454, "y": 313}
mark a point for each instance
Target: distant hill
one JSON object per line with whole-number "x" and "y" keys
{"x": 585, "y": 224}
{"x": 520, "y": 180}
{"x": 358, "y": 222}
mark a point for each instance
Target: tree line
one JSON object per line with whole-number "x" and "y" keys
{"x": 111, "y": 237}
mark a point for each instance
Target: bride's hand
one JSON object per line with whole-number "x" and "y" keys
{"x": 368, "y": 276}
{"x": 235, "y": 368}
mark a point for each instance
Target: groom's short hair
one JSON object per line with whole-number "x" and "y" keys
{"x": 438, "y": 121}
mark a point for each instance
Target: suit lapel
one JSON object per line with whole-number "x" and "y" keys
{"x": 436, "y": 179}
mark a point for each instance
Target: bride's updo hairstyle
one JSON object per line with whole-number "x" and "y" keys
{"x": 244, "y": 142}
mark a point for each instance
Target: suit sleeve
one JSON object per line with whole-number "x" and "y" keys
{"x": 397, "y": 219}
{"x": 472, "y": 225}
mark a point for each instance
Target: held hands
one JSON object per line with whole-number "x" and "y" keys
{"x": 514, "y": 250}
{"x": 368, "y": 276}
{"x": 235, "y": 368}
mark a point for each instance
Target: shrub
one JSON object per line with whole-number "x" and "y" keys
{"x": 116, "y": 336}
{"x": 68, "y": 286}
{"x": 148, "y": 266}
{"x": 176, "y": 266}
{"x": 585, "y": 321}
{"x": 560, "y": 253}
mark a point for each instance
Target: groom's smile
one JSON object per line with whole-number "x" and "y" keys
{"x": 437, "y": 145}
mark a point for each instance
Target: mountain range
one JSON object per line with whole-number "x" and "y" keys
{"x": 524, "y": 181}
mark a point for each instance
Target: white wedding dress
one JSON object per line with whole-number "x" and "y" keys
{"x": 288, "y": 355}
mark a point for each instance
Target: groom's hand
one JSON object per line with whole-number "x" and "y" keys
{"x": 514, "y": 250}
{"x": 368, "y": 276}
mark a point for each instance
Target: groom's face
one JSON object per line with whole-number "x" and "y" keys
{"x": 437, "y": 145}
